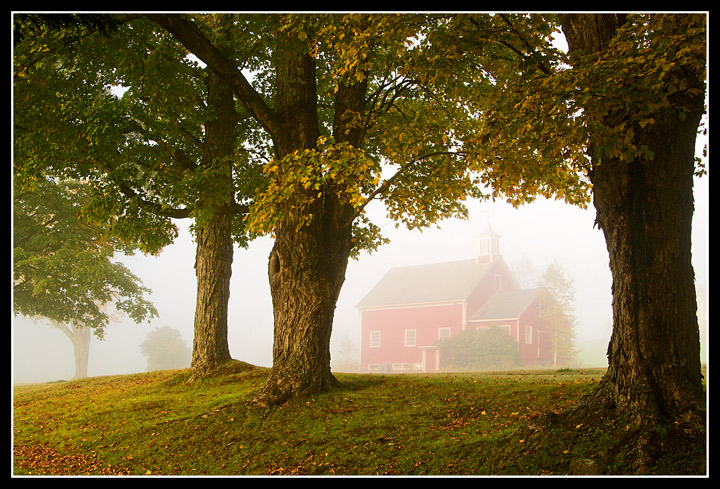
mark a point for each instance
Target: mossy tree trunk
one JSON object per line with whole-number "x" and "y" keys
{"x": 644, "y": 208}
{"x": 307, "y": 264}
{"x": 214, "y": 254}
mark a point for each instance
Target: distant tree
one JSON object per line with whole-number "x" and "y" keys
{"x": 525, "y": 273}
{"x": 165, "y": 350}
{"x": 346, "y": 357}
{"x": 479, "y": 349}
{"x": 558, "y": 311}
{"x": 63, "y": 268}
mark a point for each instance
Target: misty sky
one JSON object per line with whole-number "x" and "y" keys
{"x": 542, "y": 231}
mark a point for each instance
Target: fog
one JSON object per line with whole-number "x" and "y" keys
{"x": 543, "y": 231}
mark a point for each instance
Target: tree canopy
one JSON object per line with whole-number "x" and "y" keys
{"x": 135, "y": 128}
{"x": 130, "y": 122}
{"x": 557, "y": 110}
{"x": 152, "y": 134}
{"x": 63, "y": 268}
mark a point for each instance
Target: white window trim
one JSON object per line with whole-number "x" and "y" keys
{"x": 402, "y": 367}
{"x": 375, "y": 333}
{"x": 411, "y": 334}
{"x": 528, "y": 334}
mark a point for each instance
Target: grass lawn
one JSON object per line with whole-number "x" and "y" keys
{"x": 470, "y": 424}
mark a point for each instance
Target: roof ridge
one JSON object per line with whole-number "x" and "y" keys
{"x": 419, "y": 265}
{"x": 430, "y": 282}
{"x": 495, "y": 308}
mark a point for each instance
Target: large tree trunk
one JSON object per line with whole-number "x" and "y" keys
{"x": 644, "y": 208}
{"x": 80, "y": 339}
{"x": 645, "y": 212}
{"x": 214, "y": 255}
{"x": 307, "y": 264}
{"x": 301, "y": 280}
{"x": 306, "y": 271}
{"x": 213, "y": 268}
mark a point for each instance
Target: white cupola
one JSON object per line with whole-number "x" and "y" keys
{"x": 489, "y": 249}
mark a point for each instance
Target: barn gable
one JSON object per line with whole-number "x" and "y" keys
{"x": 505, "y": 305}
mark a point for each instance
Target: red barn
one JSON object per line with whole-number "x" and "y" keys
{"x": 411, "y": 308}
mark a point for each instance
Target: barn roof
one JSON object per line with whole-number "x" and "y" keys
{"x": 506, "y": 305}
{"x": 422, "y": 284}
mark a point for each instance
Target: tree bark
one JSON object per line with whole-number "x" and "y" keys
{"x": 214, "y": 254}
{"x": 644, "y": 208}
{"x": 306, "y": 272}
{"x": 213, "y": 268}
{"x": 80, "y": 339}
{"x": 307, "y": 265}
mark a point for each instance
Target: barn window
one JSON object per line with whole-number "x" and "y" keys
{"x": 374, "y": 338}
{"x": 443, "y": 333}
{"x": 528, "y": 335}
{"x": 506, "y": 327}
{"x": 410, "y": 337}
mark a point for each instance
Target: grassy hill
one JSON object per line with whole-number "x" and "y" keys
{"x": 432, "y": 424}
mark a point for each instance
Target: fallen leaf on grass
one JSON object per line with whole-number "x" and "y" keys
{"x": 44, "y": 460}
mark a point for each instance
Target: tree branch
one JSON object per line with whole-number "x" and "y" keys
{"x": 130, "y": 193}
{"x": 62, "y": 327}
{"x": 530, "y": 55}
{"x": 190, "y": 36}
{"x": 401, "y": 171}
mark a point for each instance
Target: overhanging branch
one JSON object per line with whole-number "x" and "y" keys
{"x": 401, "y": 171}
{"x": 190, "y": 36}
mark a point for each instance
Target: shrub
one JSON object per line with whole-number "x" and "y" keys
{"x": 485, "y": 349}
{"x": 165, "y": 350}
